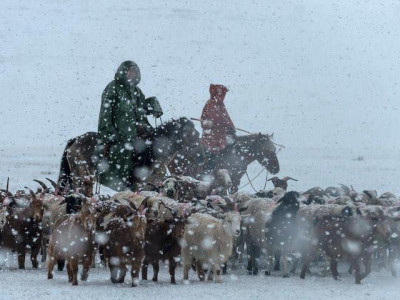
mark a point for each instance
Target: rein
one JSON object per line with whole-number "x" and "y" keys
{"x": 250, "y": 181}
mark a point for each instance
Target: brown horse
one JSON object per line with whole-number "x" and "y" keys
{"x": 234, "y": 158}
{"x": 78, "y": 166}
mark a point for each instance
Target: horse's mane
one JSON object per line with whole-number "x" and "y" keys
{"x": 171, "y": 127}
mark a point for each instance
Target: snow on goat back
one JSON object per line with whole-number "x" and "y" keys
{"x": 209, "y": 241}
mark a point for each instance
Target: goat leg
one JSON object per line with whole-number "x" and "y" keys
{"x": 87, "y": 261}
{"x": 307, "y": 258}
{"x": 200, "y": 271}
{"x": 135, "y": 272}
{"x": 74, "y": 267}
{"x": 145, "y": 266}
{"x": 156, "y": 269}
{"x": 172, "y": 266}
{"x": 50, "y": 268}
{"x": 34, "y": 253}
{"x": 356, "y": 266}
{"x": 277, "y": 266}
{"x": 70, "y": 273}
{"x": 334, "y": 270}
{"x": 285, "y": 265}
{"x": 21, "y": 259}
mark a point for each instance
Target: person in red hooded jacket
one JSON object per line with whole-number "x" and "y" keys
{"x": 218, "y": 128}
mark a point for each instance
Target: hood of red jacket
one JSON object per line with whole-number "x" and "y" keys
{"x": 218, "y": 91}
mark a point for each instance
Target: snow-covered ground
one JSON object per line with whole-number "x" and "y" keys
{"x": 16, "y": 284}
{"x": 322, "y": 75}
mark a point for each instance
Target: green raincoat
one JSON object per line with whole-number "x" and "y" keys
{"x": 123, "y": 116}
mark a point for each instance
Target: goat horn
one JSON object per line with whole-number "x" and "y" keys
{"x": 31, "y": 192}
{"x": 52, "y": 183}
{"x": 7, "y": 192}
{"x": 289, "y": 178}
{"x": 8, "y": 183}
{"x": 41, "y": 184}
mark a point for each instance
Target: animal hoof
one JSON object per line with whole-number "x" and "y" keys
{"x": 285, "y": 276}
{"x": 154, "y": 279}
{"x": 337, "y": 278}
{"x": 84, "y": 277}
{"x": 267, "y": 273}
{"x": 50, "y": 276}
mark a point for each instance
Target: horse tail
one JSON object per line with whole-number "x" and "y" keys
{"x": 64, "y": 177}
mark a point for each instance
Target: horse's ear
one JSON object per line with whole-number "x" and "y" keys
{"x": 272, "y": 135}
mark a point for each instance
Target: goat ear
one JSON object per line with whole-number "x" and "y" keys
{"x": 132, "y": 205}
{"x": 145, "y": 202}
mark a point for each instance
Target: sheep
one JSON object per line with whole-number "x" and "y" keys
{"x": 209, "y": 241}
{"x": 72, "y": 240}
{"x": 22, "y": 230}
{"x": 125, "y": 243}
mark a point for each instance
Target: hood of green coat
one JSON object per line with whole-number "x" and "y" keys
{"x": 122, "y": 72}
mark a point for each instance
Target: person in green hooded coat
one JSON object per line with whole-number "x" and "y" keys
{"x": 123, "y": 127}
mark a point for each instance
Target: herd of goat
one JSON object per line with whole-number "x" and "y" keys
{"x": 197, "y": 225}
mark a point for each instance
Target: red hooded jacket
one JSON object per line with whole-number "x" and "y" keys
{"x": 215, "y": 120}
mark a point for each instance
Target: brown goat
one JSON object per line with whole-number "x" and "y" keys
{"x": 22, "y": 230}
{"x": 340, "y": 237}
{"x": 125, "y": 246}
{"x": 281, "y": 183}
{"x": 162, "y": 242}
{"x": 72, "y": 240}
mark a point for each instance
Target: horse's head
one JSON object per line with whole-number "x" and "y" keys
{"x": 188, "y": 140}
{"x": 265, "y": 152}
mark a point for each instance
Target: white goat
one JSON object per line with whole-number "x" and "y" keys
{"x": 209, "y": 241}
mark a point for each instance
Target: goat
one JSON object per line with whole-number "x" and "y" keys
{"x": 255, "y": 215}
{"x": 209, "y": 241}
{"x": 126, "y": 233}
{"x": 345, "y": 236}
{"x": 22, "y": 230}
{"x": 280, "y": 230}
{"x": 72, "y": 240}
{"x": 281, "y": 183}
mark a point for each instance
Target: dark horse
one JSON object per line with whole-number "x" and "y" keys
{"x": 78, "y": 168}
{"x": 234, "y": 158}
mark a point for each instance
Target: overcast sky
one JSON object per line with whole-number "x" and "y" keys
{"x": 317, "y": 73}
